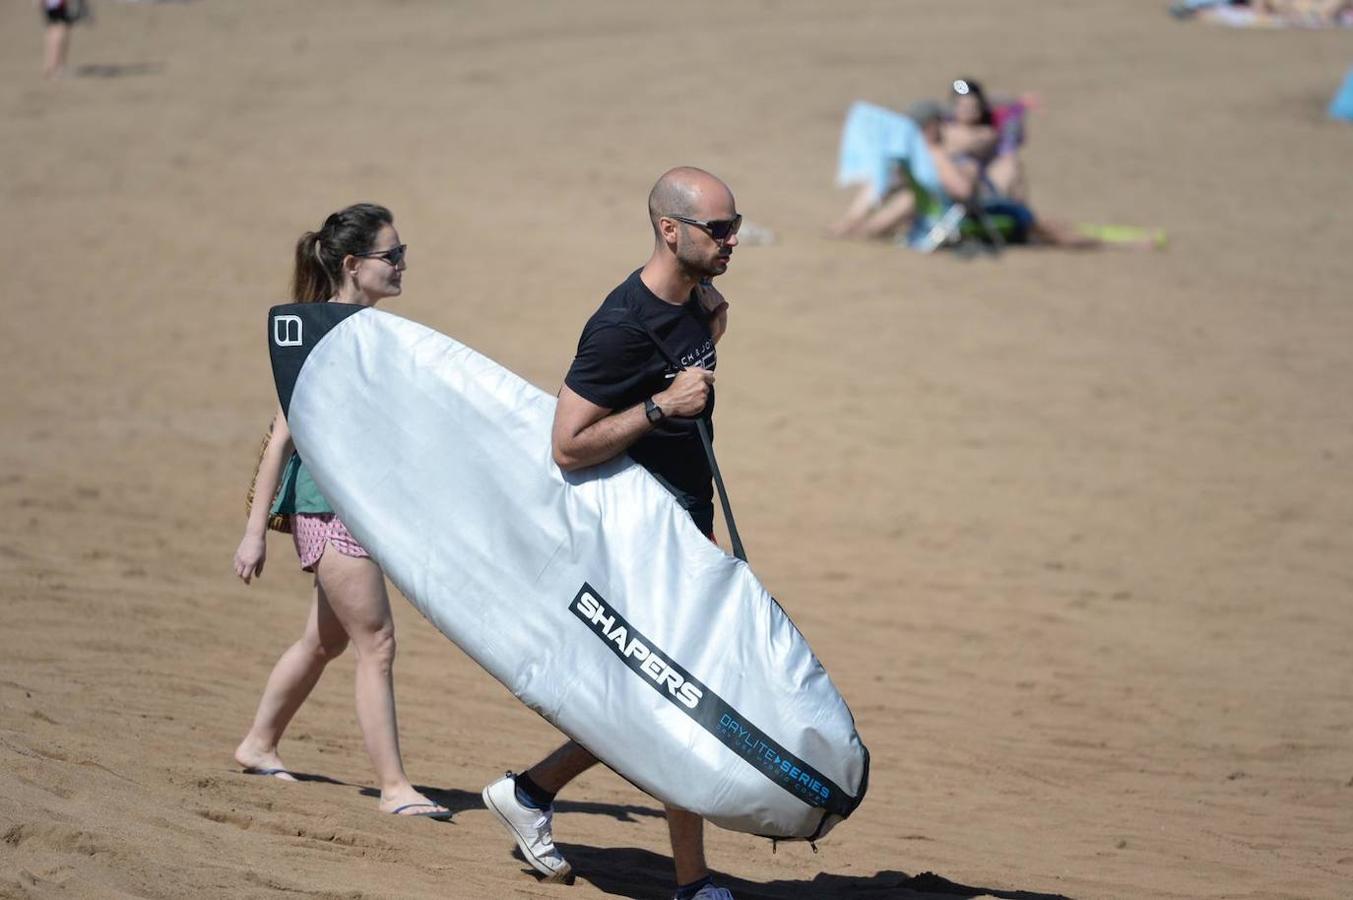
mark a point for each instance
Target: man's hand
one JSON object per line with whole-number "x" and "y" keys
{"x": 688, "y": 393}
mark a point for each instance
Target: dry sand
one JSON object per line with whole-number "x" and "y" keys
{"x": 1071, "y": 532}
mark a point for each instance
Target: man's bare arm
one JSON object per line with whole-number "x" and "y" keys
{"x": 585, "y": 434}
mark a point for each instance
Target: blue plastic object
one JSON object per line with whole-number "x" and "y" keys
{"x": 1341, "y": 107}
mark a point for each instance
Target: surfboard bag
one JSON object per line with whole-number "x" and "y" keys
{"x": 590, "y": 595}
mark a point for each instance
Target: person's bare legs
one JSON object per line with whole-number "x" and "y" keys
{"x": 687, "y": 831}
{"x": 562, "y": 766}
{"x": 291, "y": 681}
{"x": 1006, "y": 173}
{"x": 354, "y": 588}
{"x": 1062, "y": 234}
{"x": 55, "y": 46}
{"x": 897, "y": 210}
{"x": 860, "y": 206}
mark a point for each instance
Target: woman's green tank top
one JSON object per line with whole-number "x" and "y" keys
{"x": 297, "y": 493}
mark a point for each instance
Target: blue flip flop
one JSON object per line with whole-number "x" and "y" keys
{"x": 250, "y": 770}
{"x": 436, "y": 815}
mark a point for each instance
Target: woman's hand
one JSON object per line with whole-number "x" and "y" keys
{"x": 250, "y": 556}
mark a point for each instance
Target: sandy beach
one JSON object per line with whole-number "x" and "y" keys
{"x": 1070, "y": 531}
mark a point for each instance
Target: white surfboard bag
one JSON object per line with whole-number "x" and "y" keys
{"x": 591, "y": 596}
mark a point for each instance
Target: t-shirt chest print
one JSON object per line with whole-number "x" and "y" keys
{"x": 701, "y": 356}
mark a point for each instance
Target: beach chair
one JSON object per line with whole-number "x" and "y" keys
{"x": 974, "y": 226}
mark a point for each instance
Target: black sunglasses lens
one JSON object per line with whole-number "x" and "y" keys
{"x": 723, "y": 229}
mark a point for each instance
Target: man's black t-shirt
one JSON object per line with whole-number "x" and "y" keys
{"x": 617, "y": 366}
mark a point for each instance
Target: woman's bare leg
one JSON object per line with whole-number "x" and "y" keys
{"x": 291, "y": 681}
{"x": 55, "y": 46}
{"x": 1006, "y": 173}
{"x": 355, "y": 590}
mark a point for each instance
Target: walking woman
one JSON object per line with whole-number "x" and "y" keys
{"x": 356, "y": 257}
{"x": 59, "y": 15}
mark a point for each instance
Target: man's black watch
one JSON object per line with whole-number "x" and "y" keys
{"x": 653, "y": 411}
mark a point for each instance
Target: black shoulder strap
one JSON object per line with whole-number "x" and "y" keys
{"x": 703, "y": 427}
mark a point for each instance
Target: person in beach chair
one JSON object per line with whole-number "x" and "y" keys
{"x": 941, "y": 202}
{"x": 873, "y": 138}
{"x": 992, "y": 132}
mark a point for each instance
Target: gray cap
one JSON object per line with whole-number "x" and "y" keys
{"x": 924, "y": 111}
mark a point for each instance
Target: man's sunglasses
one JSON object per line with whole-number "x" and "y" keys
{"x": 394, "y": 256}
{"x": 719, "y": 229}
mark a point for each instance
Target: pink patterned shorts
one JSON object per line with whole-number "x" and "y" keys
{"x": 312, "y": 531}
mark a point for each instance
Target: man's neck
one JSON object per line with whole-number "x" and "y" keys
{"x": 666, "y": 280}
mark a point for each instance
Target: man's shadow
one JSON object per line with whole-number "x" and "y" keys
{"x": 642, "y": 874}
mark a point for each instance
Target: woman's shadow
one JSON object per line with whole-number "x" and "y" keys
{"x": 458, "y": 801}
{"x": 118, "y": 70}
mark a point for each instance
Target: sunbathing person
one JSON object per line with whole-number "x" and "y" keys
{"x": 874, "y": 138}
{"x": 991, "y": 133}
{"x": 939, "y": 188}
{"x": 1268, "y": 13}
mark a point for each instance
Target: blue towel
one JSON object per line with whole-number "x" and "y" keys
{"x": 874, "y": 141}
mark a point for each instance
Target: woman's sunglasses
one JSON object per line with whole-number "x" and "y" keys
{"x": 394, "y": 256}
{"x": 719, "y": 229}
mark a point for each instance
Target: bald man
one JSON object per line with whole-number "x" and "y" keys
{"x": 621, "y": 395}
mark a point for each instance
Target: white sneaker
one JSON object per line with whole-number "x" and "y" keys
{"x": 529, "y": 827}
{"x": 713, "y": 892}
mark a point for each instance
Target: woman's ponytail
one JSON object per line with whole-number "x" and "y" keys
{"x": 310, "y": 283}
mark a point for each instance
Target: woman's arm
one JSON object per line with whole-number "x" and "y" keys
{"x": 253, "y": 548}
{"x": 978, "y": 141}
